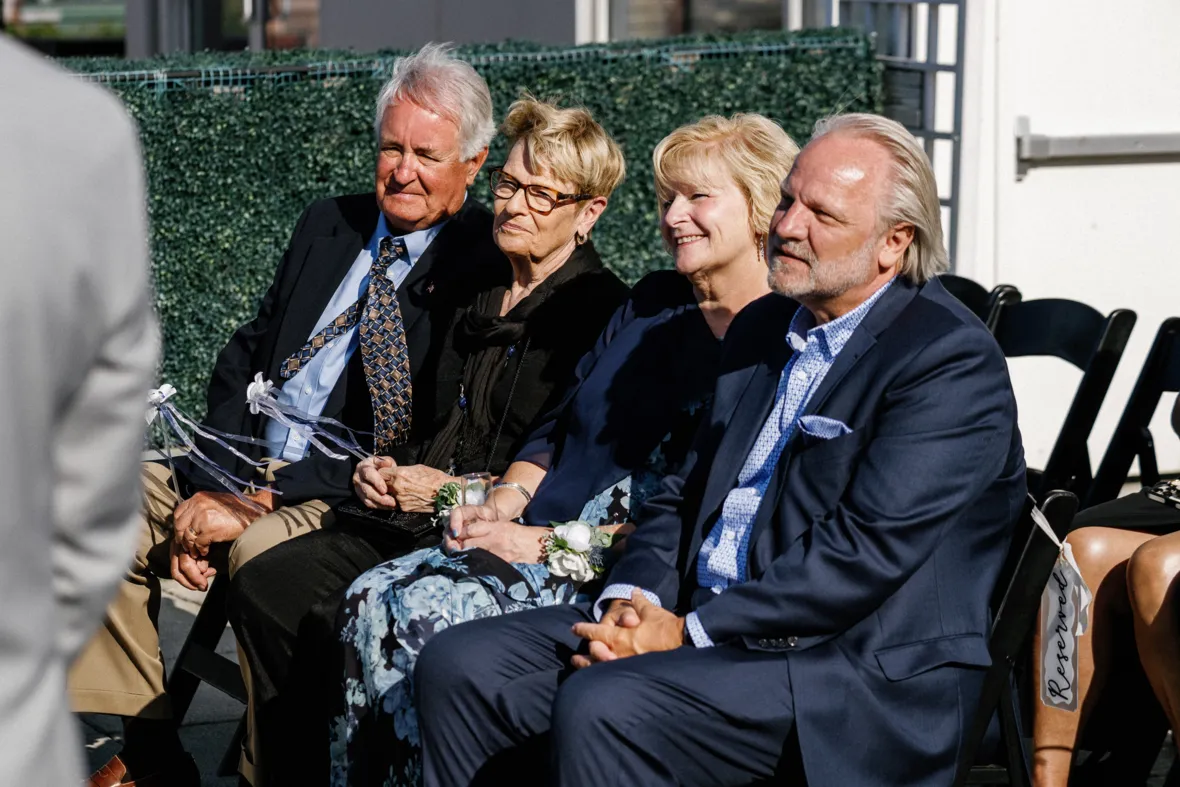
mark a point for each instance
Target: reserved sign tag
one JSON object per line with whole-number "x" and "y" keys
{"x": 1065, "y": 612}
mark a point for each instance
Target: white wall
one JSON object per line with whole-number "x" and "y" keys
{"x": 1102, "y": 234}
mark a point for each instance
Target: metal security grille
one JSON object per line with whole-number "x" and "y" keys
{"x": 921, "y": 45}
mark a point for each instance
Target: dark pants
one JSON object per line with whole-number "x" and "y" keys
{"x": 282, "y": 606}
{"x": 492, "y": 694}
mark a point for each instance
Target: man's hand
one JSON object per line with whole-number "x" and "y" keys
{"x": 629, "y": 629}
{"x": 369, "y": 481}
{"x": 413, "y": 487}
{"x": 189, "y": 572}
{"x": 205, "y": 519}
{"x": 506, "y": 540}
{"x": 619, "y": 612}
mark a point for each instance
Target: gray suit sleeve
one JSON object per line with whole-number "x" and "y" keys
{"x": 98, "y": 436}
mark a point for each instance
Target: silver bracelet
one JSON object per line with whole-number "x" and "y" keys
{"x": 528, "y": 498}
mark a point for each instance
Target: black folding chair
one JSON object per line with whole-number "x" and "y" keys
{"x": 1132, "y": 437}
{"x": 1127, "y": 726}
{"x": 1016, "y": 603}
{"x": 985, "y": 305}
{"x": 1003, "y": 296}
{"x": 199, "y": 661}
{"x": 1080, "y": 335}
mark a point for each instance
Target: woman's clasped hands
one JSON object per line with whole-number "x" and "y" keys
{"x": 484, "y": 527}
{"x": 381, "y": 483}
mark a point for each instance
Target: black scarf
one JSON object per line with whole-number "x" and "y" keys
{"x": 471, "y": 431}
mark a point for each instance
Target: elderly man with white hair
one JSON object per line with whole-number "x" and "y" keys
{"x": 807, "y": 600}
{"x": 353, "y": 328}
{"x": 505, "y": 360}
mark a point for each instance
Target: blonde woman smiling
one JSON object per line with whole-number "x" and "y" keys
{"x": 628, "y": 419}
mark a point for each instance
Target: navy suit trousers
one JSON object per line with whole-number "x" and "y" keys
{"x": 492, "y": 694}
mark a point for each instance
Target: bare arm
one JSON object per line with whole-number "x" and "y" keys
{"x": 509, "y": 503}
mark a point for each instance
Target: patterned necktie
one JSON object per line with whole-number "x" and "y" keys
{"x": 384, "y": 353}
{"x": 383, "y": 348}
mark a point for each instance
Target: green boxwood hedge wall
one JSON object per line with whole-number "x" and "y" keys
{"x": 237, "y": 144}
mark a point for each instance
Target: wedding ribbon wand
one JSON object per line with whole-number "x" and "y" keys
{"x": 174, "y": 422}
{"x": 262, "y": 397}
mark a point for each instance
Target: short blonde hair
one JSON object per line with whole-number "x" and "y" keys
{"x": 755, "y": 151}
{"x": 915, "y": 191}
{"x": 569, "y": 143}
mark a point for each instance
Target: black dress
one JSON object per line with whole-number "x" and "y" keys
{"x": 1135, "y": 511}
{"x": 283, "y": 603}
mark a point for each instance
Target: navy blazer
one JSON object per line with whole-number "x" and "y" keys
{"x": 873, "y": 555}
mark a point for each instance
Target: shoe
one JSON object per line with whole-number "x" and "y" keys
{"x": 181, "y": 773}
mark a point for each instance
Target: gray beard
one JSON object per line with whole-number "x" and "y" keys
{"x": 828, "y": 280}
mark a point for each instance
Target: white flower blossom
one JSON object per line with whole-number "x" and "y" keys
{"x": 574, "y": 565}
{"x": 576, "y": 535}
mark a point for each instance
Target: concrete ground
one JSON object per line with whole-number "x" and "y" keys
{"x": 213, "y": 716}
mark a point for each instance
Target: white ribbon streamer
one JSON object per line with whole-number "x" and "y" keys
{"x": 262, "y": 398}
{"x": 156, "y": 397}
{"x": 175, "y": 423}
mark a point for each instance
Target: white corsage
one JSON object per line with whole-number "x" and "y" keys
{"x": 575, "y": 550}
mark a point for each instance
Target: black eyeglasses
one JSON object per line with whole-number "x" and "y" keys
{"x": 540, "y": 199}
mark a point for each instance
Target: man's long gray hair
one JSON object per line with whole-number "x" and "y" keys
{"x": 435, "y": 80}
{"x": 915, "y": 191}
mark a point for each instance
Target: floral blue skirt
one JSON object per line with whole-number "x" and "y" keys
{"x": 390, "y": 612}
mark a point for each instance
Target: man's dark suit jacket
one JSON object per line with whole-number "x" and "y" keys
{"x": 873, "y": 555}
{"x": 460, "y": 262}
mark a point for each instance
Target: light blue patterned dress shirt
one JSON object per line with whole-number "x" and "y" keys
{"x": 309, "y": 389}
{"x": 722, "y": 559}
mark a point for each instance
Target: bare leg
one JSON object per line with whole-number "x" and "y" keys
{"x": 1102, "y": 554}
{"x": 1151, "y": 583}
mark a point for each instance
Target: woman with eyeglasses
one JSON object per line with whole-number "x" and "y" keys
{"x": 629, "y": 418}
{"x": 518, "y": 343}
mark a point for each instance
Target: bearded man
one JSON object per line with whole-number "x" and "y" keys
{"x": 810, "y": 596}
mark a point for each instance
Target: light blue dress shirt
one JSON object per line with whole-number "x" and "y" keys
{"x": 309, "y": 389}
{"x": 722, "y": 559}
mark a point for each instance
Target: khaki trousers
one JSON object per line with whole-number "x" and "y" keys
{"x": 121, "y": 671}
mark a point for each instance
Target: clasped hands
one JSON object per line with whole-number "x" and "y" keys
{"x": 381, "y": 483}
{"x": 629, "y": 627}
{"x": 205, "y": 519}
{"x": 485, "y": 527}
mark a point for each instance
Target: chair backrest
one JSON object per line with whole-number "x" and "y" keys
{"x": 1016, "y": 604}
{"x": 969, "y": 292}
{"x": 1002, "y": 296}
{"x": 1080, "y": 335}
{"x": 1132, "y": 437}
{"x": 1030, "y": 557}
{"x": 983, "y": 304}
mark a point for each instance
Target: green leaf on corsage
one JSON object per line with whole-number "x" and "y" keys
{"x": 447, "y": 497}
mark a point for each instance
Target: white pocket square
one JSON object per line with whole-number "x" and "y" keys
{"x": 823, "y": 427}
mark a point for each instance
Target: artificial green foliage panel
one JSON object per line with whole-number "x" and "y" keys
{"x": 237, "y": 145}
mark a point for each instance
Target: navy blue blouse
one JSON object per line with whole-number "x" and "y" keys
{"x": 631, "y": 413}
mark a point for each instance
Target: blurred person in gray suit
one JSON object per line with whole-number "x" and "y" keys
{"x": 78, "y": 346}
